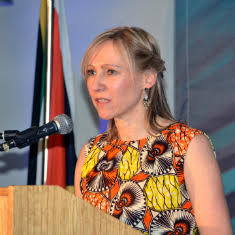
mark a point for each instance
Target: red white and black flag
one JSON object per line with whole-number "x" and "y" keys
{"x": 61, "y": 150}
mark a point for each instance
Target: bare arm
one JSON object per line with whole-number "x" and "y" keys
{"x": 78, "y": 170}
{"x": 205, "y": 188}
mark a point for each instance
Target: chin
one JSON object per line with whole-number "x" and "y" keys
{"x": 105, "y": 116}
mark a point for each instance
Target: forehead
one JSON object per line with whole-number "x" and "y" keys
{"x": 108, "y": 52}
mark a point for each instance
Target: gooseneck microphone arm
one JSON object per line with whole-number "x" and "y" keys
{"x": 62, "y": 124}
{"x": 29, "y": 136}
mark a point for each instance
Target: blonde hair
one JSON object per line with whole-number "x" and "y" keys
{"x": 143, "y": 54}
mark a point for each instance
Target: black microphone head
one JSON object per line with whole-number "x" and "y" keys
{"x": 64, "y": 124}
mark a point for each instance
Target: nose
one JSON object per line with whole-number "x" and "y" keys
{"x": 97, "y": 82}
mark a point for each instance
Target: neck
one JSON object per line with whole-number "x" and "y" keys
{"x": 136, "y": 129}
{"x": 132, "y": 129}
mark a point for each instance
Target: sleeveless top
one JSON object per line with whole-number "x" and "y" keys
{"x": 142, "y": 182}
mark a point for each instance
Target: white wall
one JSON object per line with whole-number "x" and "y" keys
{"x": 86, "y": 19}
{"x": 18, "y": 39}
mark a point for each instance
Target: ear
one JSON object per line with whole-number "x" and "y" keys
{"x": 150, "y": 78}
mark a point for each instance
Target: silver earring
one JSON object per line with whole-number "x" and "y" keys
{"x": 146, "y": 100}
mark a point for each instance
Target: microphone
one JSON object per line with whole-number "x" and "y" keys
{"x": 62, "y": 124}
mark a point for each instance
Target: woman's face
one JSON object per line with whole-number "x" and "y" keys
{"x": 116, "y": 92}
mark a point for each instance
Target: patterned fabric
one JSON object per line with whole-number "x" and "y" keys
{"x": 142, "y": 182}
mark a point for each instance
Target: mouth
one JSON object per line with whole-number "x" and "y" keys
{"x": 102, "y": 100}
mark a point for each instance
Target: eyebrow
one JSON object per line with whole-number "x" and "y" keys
{"x": 104, "y": 65}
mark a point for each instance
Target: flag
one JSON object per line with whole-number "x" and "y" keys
{"x": 61, "y": 151}
{"x": 35, "y": 158}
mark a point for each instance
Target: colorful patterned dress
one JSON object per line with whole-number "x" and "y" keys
{"x": 142, "y": 182}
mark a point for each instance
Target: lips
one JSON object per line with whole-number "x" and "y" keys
{"x": 102, "y": 100}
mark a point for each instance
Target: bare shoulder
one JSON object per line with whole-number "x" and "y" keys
{"x": 201, "y": 144}
{"x": 201, "y": 139}
{"x": 83, "y": 152}
{"x": 78, "y": 170}
{"x": 204, "y": 185}
{"x": 200, "y": 161}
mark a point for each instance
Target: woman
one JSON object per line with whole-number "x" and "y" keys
{"x": 149, "y": 171}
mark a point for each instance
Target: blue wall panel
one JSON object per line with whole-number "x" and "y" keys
{"x": 205, "y": 78}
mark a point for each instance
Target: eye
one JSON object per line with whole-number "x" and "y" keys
{"x": 111, "y": 71}
{"x": 90, "y": 72}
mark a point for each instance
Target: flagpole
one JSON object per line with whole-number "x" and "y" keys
{"x": 48, "y": 82}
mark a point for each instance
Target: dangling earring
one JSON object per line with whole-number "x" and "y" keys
{"x": 146, "y": 100}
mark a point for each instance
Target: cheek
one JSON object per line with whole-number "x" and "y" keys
{"x": 124, "y": 85}
{"x": 130, "y": 89}
{"x": 89, "y": 88}
{"x": 128, "y": 95}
